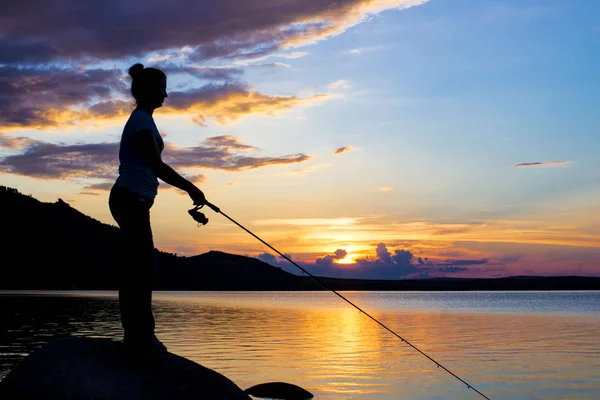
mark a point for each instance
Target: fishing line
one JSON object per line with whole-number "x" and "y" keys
{"x": 202, "y": 220}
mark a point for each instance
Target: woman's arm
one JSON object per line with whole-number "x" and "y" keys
{"x": 147, "y": 145}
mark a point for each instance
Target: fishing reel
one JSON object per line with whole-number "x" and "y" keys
{"x": 198, "y": 216}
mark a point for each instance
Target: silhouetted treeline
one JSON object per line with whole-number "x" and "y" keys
{"x": 54, "y": 246}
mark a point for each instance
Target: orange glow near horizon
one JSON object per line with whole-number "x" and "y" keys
{"x": 347, "y": 261}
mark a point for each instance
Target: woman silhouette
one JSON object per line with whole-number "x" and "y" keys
{"x": 130, "y": 200}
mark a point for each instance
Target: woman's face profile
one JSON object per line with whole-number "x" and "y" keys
{"x": 161, "y": 93}
{"x": 157, "y": 94}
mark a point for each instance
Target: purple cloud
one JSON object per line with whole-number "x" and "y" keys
{"x": 100, "y": 160}
{"x": 65, "y": 97}
{"x": 36, "y": 36}
{"x": 399, "y": 264}
{"x": 541, "y": 164}
{"x": 39, "y": 31}
{"x": 37, "y": 96}
{"x": 328, "y": 260}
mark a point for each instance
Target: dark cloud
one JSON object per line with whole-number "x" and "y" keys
{"x": 14, "y": 143}
{"x": 35, "y": 31}
{"x": 541, "y": 164}
{"x": 49, "y": 98}
{"x": 42, "y": 96}
{"x": 36, "y": 36}
{"x": 280, "y": 262}
{"x": 384, "y": 265}
{"x": 399, "y": 264}
{"x": 268, "y": 258}
{"x": 463, "y": 262}
{"x": 228, "y": 141}
{"x": 56, "y": 161}
{"x": 344, "y": 149}
{"x": 387, "y": 265}
{"x": 100, "y": 160}
{"x": 451, "y": 270}
{"x": 222, "y": 157}
{"x": 328, "y": 260}
{"x": 383, "y": 254}
{"x": 18, "y": 49}
{"x": 225, "y": 73}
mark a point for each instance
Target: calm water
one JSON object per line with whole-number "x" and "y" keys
{"x": 509, "y": 345}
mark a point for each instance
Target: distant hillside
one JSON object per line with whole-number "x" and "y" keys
{"x": 54, "y": 246}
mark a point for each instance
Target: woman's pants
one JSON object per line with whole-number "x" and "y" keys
{"x": 137, "y": 263}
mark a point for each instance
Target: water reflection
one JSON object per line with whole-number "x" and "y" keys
{"x": 322, "y": 344}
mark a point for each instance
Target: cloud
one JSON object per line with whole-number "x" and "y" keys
{"x": 48, "y": 48}
{"x": 215, "y": 73}
{"x": 344, "y": 149}
{"x": 196, "y": 179}
{"x": 7, "y": 142}
{"x": 229, "y": 142}
{"x": 314, "y": 168}
{"x": 400, "y": 263}
{"x": 328, "y": 260}
{"x": 70, "y": 98}
{"x": 99, "y": 161}
{"x": 385, "y": 188}
{"x": 339, "y": 84}
{"x": 55, "y": 161}
{"x": 268, "y": 258}
{"x": 228, "y": 102}
{"x": 222, "y": 157}
{"x": 107, "y": 185}
{"x": 250, "y": 61}
{"x": 542, "y": 164}
{"x": 41, "y": 31}
{"x": 278, "y": 261}
{"x": 384, "y": 265}
{"x": 43, "y": 97}
{"x": 293, "y": 55}
{"x": 309, "y": 222}
{"x": 360, "y": 50}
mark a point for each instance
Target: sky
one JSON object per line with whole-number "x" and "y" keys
{"x": 384, "y": 139}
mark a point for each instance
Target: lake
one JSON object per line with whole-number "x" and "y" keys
{"x": 508, "y": 345}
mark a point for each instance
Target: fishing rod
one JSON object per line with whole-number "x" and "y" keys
{"x": 202, "y": 220}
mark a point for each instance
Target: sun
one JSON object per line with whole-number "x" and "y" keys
{"x": 346, "y": 260}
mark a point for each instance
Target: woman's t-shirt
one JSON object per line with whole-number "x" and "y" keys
{"x": 134, "y": 173}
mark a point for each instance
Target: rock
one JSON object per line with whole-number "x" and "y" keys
{"x": 279, "y": 390}
{"x": 79, "y": 368}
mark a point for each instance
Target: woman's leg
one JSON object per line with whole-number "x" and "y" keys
{"x": 138, "y": 265}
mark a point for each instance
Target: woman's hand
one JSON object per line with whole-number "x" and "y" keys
{"x": 197, "y": 196}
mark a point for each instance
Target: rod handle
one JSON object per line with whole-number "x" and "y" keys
{"x": 213, "y": 207}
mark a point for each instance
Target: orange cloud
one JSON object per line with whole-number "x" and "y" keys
{"x": 227, "y": 104}
{"x": 344, "y": 149}
{"x": 224, "y": 104}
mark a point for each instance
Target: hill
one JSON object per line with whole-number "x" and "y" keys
{"x": 55, "y": 246}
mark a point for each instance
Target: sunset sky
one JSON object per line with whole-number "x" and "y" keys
{"x": 376, "y": 139}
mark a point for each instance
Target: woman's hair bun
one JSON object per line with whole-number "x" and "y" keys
{"x": 136, "y": 69}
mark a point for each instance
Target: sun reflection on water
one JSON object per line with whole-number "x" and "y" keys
{"x": 316, "y": 341}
